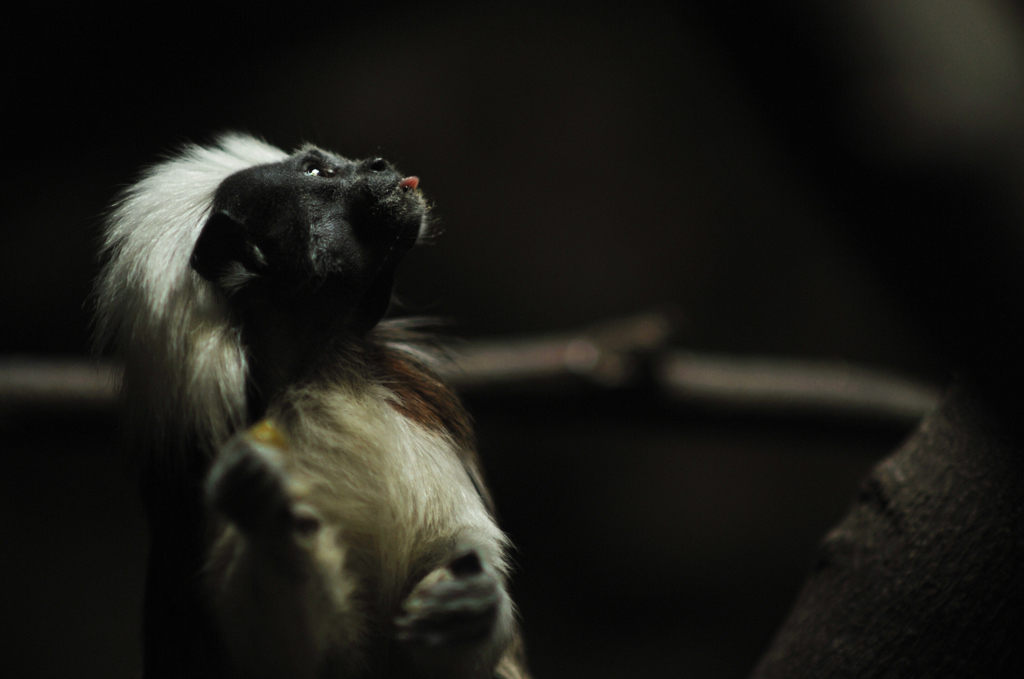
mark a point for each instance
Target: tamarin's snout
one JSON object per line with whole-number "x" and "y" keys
{"x": 315, "y": 228}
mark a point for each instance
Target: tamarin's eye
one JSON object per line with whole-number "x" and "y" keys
{"x": 314, "y": 170}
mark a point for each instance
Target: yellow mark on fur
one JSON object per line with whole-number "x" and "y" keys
{"x": 265, "y": 431}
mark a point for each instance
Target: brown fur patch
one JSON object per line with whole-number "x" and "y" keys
{"x": 419, "y": 394}
{"x": 423, "y": 398}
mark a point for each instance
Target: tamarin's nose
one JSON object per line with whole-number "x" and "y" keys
{"x": 374, "y": 165}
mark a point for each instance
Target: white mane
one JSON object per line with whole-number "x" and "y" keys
{"x": 184, "y": 366}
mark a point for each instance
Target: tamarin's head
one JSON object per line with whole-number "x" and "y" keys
{"x": 314, "y": 232}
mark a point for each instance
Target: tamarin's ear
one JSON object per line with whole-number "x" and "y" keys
{"x": 221, "y": 242}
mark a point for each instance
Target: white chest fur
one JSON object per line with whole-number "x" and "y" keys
{"x": 390, "y": 501}
{"x": 397, "y": 492}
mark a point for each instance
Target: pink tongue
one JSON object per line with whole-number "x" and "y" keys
{"x": 409, "y": 183}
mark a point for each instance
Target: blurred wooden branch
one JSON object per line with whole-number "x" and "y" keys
{"x": 636, "y": 352}
{"x": 630, "y": 352}
{"x": 59, "y": 384}
{"x": 633, "y": 352}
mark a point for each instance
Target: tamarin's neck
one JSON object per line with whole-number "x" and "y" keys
{"x": 286, "y": 347}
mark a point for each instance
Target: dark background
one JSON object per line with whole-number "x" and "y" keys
{"x": 585, "y": 161}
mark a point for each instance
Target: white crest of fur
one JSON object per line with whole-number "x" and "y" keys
{"x": 184, "y": 365}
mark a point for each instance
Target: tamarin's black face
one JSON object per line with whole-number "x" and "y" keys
{"x": 314, "y": 230}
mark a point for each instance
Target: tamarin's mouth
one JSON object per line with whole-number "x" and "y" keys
{"x": 409, "y": 183}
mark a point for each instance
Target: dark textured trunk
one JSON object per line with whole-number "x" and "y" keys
{"x": 925, "y": 575}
